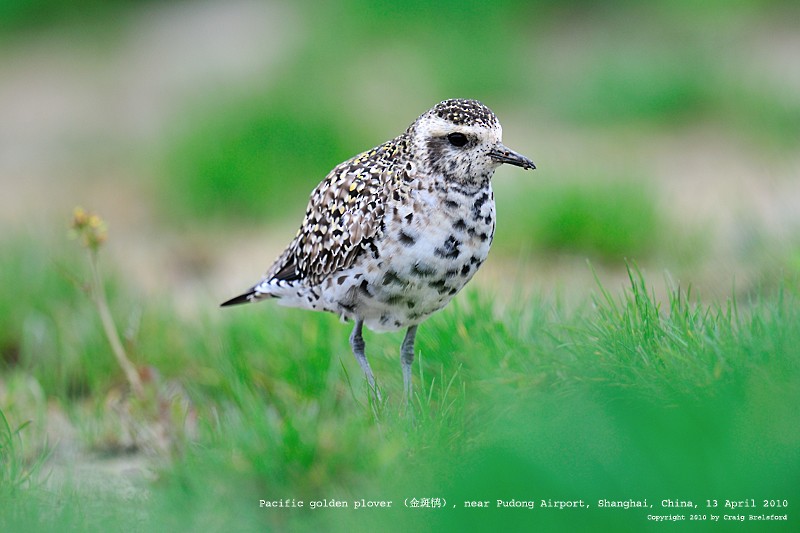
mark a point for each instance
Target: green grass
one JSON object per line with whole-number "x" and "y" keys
{"x": 253, "y": 157}
{"x": 20, "y": 15}
{"x": 13, "y": 473}
{"x": 49, "y": 321}
{"x": 649, "y": 83}
{"x": 606, "y": 220}
{"x": 627, "y": 397}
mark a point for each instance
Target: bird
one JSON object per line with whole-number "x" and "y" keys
{"x": 392, "y": 234}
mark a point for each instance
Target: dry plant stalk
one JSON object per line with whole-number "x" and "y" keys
{"x": 92, "y": 232}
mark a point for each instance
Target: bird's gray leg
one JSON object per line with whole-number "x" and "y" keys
{"x": 357, "y": 344}
{"x": 407, "y": 358}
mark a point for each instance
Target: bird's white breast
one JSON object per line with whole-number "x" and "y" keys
{"x": 431, "y": 246}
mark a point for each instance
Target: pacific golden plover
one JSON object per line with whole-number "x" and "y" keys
{"x": 391, "y": 235}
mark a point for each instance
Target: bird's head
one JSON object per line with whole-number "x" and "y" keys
{"x": 462, "y": 141}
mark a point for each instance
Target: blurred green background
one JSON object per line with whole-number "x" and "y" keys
{"x": 665, "y": 134}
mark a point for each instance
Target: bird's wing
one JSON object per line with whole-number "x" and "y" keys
{"x": 344, "y": 215}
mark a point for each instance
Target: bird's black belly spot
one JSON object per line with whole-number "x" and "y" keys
{"x": 395, "y": 299}
{"x": 421, "y": 270}
{"x": 449, "y": 249}
{"x": 364, "y": 289}
{"x": 406, "y": 239}
{"x": 391, "y": 278}
{"x": 476, "y": 207}
{"x": 439, "y": 285}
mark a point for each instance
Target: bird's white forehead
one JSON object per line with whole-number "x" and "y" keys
{"x": 432, "y": 126}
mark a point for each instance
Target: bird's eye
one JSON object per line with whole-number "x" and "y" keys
{"x": 457, "y": 139}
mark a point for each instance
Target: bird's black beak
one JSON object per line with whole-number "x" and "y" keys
{"x": 502, "y": 154}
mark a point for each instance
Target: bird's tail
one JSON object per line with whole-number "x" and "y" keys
{"x": 269, "y": 288}
{"x": 250, "y": 296}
